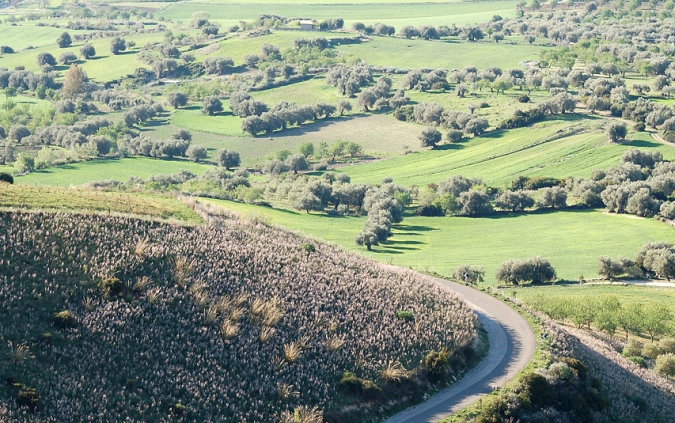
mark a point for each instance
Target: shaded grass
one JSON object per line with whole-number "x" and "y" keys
{"x": 119, "y": 169}
{"x": 571, "y": 240}
{"x": 62, "y": 199}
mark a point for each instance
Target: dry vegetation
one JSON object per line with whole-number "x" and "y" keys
{"x": 118, "y": 319}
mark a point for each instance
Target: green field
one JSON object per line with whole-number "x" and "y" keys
{"x": 27, "y": 34}
{"x": 402, "y": 53}
{"x": 119, "y": 169}
{"x": 626, "y": 293}
{"x": 103, "y": 67}
{"x": 498, "y": 157}
{"x": 571, "y": 240}
{"x": 391, "y": 13}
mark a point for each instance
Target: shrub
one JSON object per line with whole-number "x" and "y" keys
{"x": 405, "y": 315}
{"x": 640, "y": 127}
{"x": 524, "y": 98}
{"x": 665, "y": 364}
{"x": 111, "y": 287}
{"x": 632, "y": 348}
{"x": 536, "y": 390}
{"x": 638, "y": 360}
{"x": 429, "y": 210}
{"x": 6, "y": 177}
{"x": 436, "y": 363}
{"x": 27, "y": 397}
{"x": 364, "y": 388}
{"x": 651, "y": 351}
{"x": 469, "y": 274}
{"x": 667, "y": 345}
{"x": 65, "y": 320}
{"x": 309, "y": 247}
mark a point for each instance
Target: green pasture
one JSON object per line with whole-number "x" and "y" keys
{"x": 238, "y": 47}
{"x": 306, "y": 92}
{"x": 498, "y": 157}
{"x": 378, "y": 134}
{"x": 571, "y": 240}
{"x": 402, "y": 53}
{"x": 103, "y": 67}
{"x": 118, "y": 169}
{"x": 392, "y": 13}
{"x": 26, "y": 34}
{"x": 625, "y": 292}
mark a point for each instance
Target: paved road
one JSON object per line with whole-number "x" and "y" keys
{"x": 512, "y": 345}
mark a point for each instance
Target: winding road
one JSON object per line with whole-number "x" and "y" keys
{"x": 512, "y": 345}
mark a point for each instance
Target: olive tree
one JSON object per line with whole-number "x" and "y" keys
{"x": 469, "y": 274}
{"x": 228, "y": 158}
{"x": 430, "y": 137}
{"x": 212, "y": 105}
{"x": 617, "y": 131}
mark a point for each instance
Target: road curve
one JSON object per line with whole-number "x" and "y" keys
{"x": 512, "y": 345}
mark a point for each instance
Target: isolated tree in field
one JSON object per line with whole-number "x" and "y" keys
{"x": 196, "y": 153}
{"x": 497, "y": 36}
{"x": 660, "y": 261}
{"x": 306, "y": 148}
{"x": 535, "y": 270}
{"x": 212, "y": 105}
{"x": 430, "y": 137}
{"x": 117, "y": 45}
{"x": 67, "y": 58}
{"x": 307, "y": 201}
{"x": 45, "y": 58}
{"x": 228, "y": 158}
{"x": 354, "y": 149}
{"x": 617, "y": 131}
{"x": 73, "y": 81}
{"x": 87, "y": 51}
{"x": 64, "y": 40}
{"x": 18, "y": 132}
{"x": 469, "y": 274}
{"x": 176, "y": 99}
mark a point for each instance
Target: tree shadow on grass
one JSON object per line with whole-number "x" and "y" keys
{"x": 642, "y": 143}
{"x": 411, "y": 229}
{"x": 509, "y": 215}
{"x": 447, "y": 147}
{"x": 314, "y": 126}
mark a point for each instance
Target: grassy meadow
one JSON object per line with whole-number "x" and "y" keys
{"x": 571, "y": 240}
{"x": 402, "y": 53}
{"x": 498, "y": 157}
{"x": 397, "y": 13}
{"x": 118, "y": 169}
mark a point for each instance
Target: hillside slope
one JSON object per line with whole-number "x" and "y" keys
{"x": 237, "y": 323}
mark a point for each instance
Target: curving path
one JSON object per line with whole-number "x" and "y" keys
{"x": 512, "y": 345}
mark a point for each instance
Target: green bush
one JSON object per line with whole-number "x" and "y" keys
{"x": 667, "y": 345}
{"x": 111, "y": 287}
{"x": 308, "y": 247}
{"x": 364, "y": 388}
{"x": 405, "y": 315}
{"x": 632, "y": 349}
{"x": 640, "y": 127}
{"x": 578, "y": 367}
{"x": 651, "y": 351}
{"x": 178, "y": 409}
{"x": 436, "y": 363}
{"x": 665, "y": 364}
{"x": 524, "y": 98}
{"x": 65, "y": 320}
{"x": 638, "y": 360}
{"x": 6, "y": 177}
{"x": 535, "y": 390}
{"x": 27, "y": 397}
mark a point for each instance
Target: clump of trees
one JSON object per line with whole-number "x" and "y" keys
{"x": 535, "y": 270}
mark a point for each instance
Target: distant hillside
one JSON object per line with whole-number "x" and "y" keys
{"x": 116, "y": 319}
